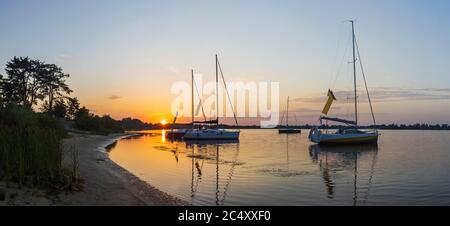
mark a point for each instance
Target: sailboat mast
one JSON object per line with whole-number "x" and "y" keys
{"x": 354, "y": 72}
{"x": 217, "y": 90}
{"x": 287, "y": 112}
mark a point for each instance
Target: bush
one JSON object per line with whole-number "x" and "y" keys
{"x": 101, "y": 125}
{"x": 31, "y": 147}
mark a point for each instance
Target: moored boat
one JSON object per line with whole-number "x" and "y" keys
{"x": 211, "y": 134}
{"x": 209, "y": 130}
{"x": 288, "y": 129}
{"x": 176, "y": 133}
{"x": 350, "y": 134}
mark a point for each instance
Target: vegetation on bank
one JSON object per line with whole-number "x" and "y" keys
{"x": 31, "y": 150}
{"x": 34, "y": 102}
{"x": 41, "y": 86}
{"x": 84, "y": 120}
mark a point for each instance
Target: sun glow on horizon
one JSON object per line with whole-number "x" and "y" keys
{"x": 163, "y": 122}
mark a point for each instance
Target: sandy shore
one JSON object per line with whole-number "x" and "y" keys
{"x": 106, "y": 183}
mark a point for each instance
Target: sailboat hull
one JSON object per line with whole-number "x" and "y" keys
{"x": 176, "y": 134}
{"x": 351, "y": 139}
{"x": 360, "y": 137}
{"x": 211, "y": 134}
{"x": 289, "y": 131}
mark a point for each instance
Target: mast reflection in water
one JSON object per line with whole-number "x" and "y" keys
{"x": 344, "y": 158}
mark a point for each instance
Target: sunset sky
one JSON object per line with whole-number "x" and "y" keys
{"x": 124, "y": 56}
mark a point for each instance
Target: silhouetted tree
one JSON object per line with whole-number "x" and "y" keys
{"x": 2, "y": 103}
{"x": 73, "y": 105}
{"x": 82, "y": 113}
{"x": 27, "y": 81}
{"x": 60, "y": 109}
{"x": 54, "y": 86}
{"x": 22, "y": 83}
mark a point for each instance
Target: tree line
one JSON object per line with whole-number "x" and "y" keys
{"x": 30, "y": 83}
{"x": 37, "y": 85}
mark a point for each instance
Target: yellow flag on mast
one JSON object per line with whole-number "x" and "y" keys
{"x": 330, "y": 100}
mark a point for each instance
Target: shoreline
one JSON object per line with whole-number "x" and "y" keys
{"x": 105, "y": 182}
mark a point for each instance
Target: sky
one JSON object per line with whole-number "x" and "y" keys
{"x": 124, "y": 56}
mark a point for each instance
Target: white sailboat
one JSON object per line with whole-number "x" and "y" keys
{"x": 350, "y": 134}
{"x": 209, "y": 130}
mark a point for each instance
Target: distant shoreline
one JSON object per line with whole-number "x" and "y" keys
{"x": 131, "y": 124}
{"x": 295, "y": 127}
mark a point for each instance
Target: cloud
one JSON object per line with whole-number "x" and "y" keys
{"x": 62, "y": 57}
{"x": 114, "y": 97}
{"x": 386, "y": 94}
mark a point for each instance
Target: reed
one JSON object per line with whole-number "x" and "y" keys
{"x": 31, "y": 149}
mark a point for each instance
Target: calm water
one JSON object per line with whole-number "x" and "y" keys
{"x": 267, "y": 168}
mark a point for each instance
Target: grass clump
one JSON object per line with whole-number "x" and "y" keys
{"x": 31, "y": 149}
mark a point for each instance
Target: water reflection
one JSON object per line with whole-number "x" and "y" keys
{"x": 206, "y": 143}
{"x": 163, "y": 136}
{"x": 202, "y": 151}
{"x": 334, "y": 159}
{"x": 287, "y": 141}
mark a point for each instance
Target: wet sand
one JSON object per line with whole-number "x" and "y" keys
{"x": 105, "y": 182}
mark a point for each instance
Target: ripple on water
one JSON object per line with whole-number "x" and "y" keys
{"x": 278, "y": 172}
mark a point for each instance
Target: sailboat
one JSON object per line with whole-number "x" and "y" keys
{"x": 350, "y": 134}
{"x": 287, "y": 129}
{"x": 209, "y": 130}
{"x": 176, "y": 134}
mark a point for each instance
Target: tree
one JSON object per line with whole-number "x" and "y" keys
{"x": 73, "y": 105}
{"x": 2, "y": 103}
{"x": 53, "y": 82}
{"x": 22, "y": 84}
{"x": 60, "y": 109}
{"x": 82, "y": 113}
{"x": 28, "y": 81}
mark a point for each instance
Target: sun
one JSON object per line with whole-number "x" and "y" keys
{"x": 163, "y": 122}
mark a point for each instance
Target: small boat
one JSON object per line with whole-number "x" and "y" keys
{"x": 209, "y": 130}
{"x": 350, "y": 134}
{"x": 288, "y": 129}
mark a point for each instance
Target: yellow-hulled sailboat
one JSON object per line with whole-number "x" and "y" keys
{"x": 350, "y": 134}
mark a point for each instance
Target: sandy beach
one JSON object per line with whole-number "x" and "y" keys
{"x": 105, "y": 182}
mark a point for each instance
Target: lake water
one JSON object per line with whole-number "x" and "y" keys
{"x": 267, "y": 168}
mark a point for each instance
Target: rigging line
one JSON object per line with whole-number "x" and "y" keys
{"x": 365, "y": 83}
{"x": 338, "y": 73}
{"x": 201, "y": 102}
{"x": 336, "y": 57}
{"x": 226, "y": 90}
